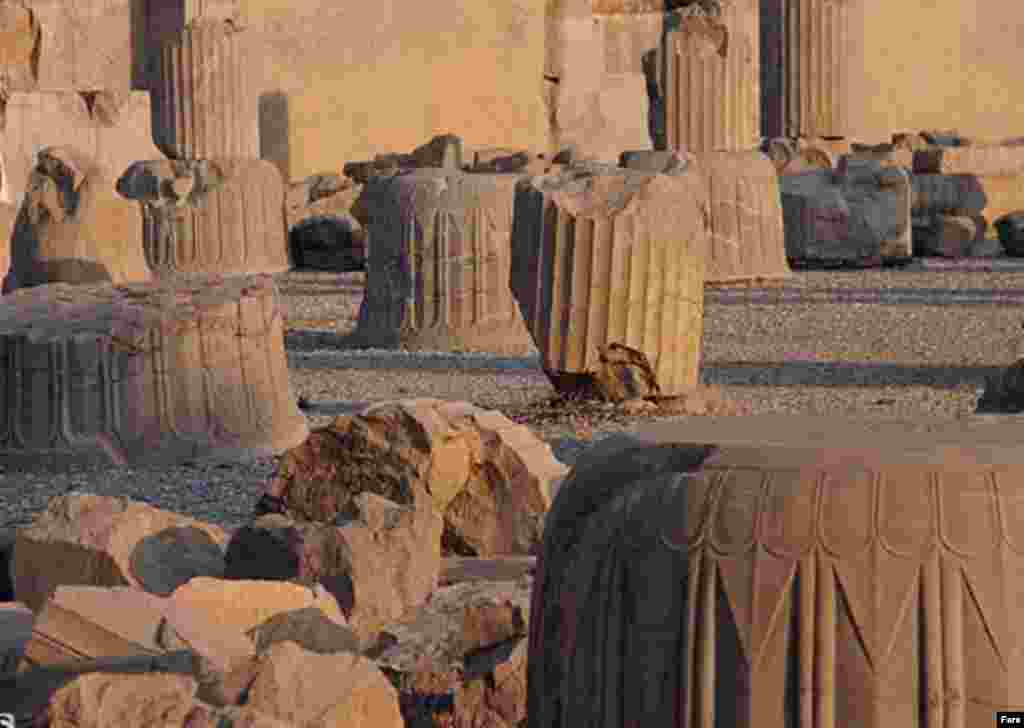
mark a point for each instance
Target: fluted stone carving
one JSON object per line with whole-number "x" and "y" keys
{"x": 73, "y": 228}
{"x": 747, "y": 241}
{"x": 202, "y": 108}
{"x": 604, "y": 255}
{"x": 859, "y": 214}
{"x": 210, "y": 215}
{"x": 157, "y": 372}
{"x": 708, "y": 75}
{"x": 806, "y": 76}
{"x": 438, "y": 271}
{"x": 758, "y": 572}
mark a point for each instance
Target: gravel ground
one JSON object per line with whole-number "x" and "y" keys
{"x": 915, "y": 343}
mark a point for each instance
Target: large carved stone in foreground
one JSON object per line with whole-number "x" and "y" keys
{"x": 858, "y": 214}
{"x": 210, "y": 215}
{"x": 781, "y": 571}
{"x": 437, "y": 275}
{"x": 604, "y": 255}
{"x": 156, "y": 372}
{"x": 73, "y": 228}
{"x": 202, "y": 108}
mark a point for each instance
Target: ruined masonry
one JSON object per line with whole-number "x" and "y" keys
{"x": 150, "y": 372}
{"x": 215, "y": 207}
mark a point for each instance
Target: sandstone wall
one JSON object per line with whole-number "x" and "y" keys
{"x": 343, "y": 81}
{"x": 935, "y": 64}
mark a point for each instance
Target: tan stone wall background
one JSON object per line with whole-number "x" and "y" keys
{"x": 342, "y": 81}
{"x": 936, "y": 64}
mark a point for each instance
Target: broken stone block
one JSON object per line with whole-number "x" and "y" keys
{"x": 706, "y": 74}
{"x": 950, "y": 194}
{"x": 210, "y": 215}
{"x": 437, "y": 275}
{"x": 858, "y": 215}
{"x": 747, "y": 240}
{"x": 888, "y": 155}
{"x": 155, "y": 372}
{"x": 807, "y": 82}
{"x": 976, "y": 160}
{"x": 73, "y": 228}
{"x": 202, "y": 108}
{"x": 952, "y": 236}
{"x": 80, "y": 120}
{"x": 323, "y": 690}
{"x": 128, "y": 701}
{"x": 495, "y": 160}
{"x": 309, "y": 628}
{"x": 490, "y": 478}
{"x": 101, "y": 541}
{"x": 691, "y": 510}
{"x": 604, "y": 255}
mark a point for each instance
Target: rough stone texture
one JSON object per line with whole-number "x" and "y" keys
{"x": 309, "y": 628}
{"x": 747, "y": 241}
{"x": 437, "y": 275}
{"x": 859, "y": 214}
{"x": 129, "y": 701}
{"x": 489, "y": 477}
{"x": 15, "y": 632}
{"x": 888, "y": 155}
{"x": 322, "y": 691}
{"x": 605, "y": 255}
{"x": 977, "y": 160}
{"x": 954, "y": 194}
{"x": 444, "y": 656}
{"x": 100, "y": 541}
{"x": 155, "y": 372}
{"x": 776, "y": 553}
{"x": 462, "y": 66}
{"x": 707, "y": 74}
{"x": 210, "y": 215}
{"x": 113, "y": 137}
{"x": 20, "y": 36}
{"x": 952, "y": 236}
{"x": 805, "y": 57}
{"x": 202, "y": 105}
{"x": 73, "y": 228}
{"x": 83, "y": 46}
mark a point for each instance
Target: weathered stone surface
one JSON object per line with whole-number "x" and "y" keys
{"x": 747, "y": 241}
{"x": 806, "y": 57}
{"x": 497, "y": 160}
{"x": 888, "y": 155}
{"x": 309, "y": 628}
{"x": 130, "y": 701}
{"x": 102, "y": 541}
{"x": 144, "y": 373}
{"x": 977, "y": 160}
{"x": 489, "y": 477}
{"x": 163, "y": 22}
{"x": 1010, "y": 228}
{"x": 320, "y": 691}
{"x": 82, "y": 121}
{"x": 604, "y": 255}
{"x": 456, "y": 569}
{"x": 444, "y": 656}
{"x": 20, "y": 36}
{"x": 952, "y": 236}
{"x": 707, "y": 76}
{"x": 202, "y": 105}
{"x": 210, "y": 215}
{"x": 437, "y": 275}
{"x": 950, "y": 194}
{"x": 738, "y": 526}
{"x": 860, "y": 214}
{"x": 15, "y": 632}
{"x": 73, "y": 228}
{"x": 319, "y": 195}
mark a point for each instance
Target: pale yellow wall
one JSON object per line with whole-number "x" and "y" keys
{"x": 355, "y": 79}
{"x": 919, "y": 64}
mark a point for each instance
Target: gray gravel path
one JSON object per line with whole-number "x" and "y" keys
{"x": 914, "y": 343}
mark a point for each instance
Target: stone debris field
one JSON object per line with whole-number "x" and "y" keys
{"x": 659, "y": 376}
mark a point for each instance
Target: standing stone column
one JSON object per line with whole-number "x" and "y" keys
{"x": 805, "y": 75}
{"x": 214, "y": 207}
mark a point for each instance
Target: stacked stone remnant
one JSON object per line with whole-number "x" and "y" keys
{"x": 152, "y": 372}
{"x": 438, "y": 268}
{"x": 73, "y": 228}
{"x": 858, "y": 214}
{"x": 706, "y": 76}
{"x": 214, "y": 207}
{"x": 604, "y": 255}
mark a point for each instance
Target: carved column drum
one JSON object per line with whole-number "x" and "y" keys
{"x": 783, "y": 571}
{"x": 156, "y": 372}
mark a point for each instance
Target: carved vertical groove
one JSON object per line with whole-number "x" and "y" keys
{"x": 813, "y": 73}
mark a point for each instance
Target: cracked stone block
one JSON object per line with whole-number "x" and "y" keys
{"x": 210, "y": 215}
{"x": 155, "y": 372}
{"x": 202, "y": 106}
{"x": 437, "y": 273}
{"x": 604, "y": 255}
